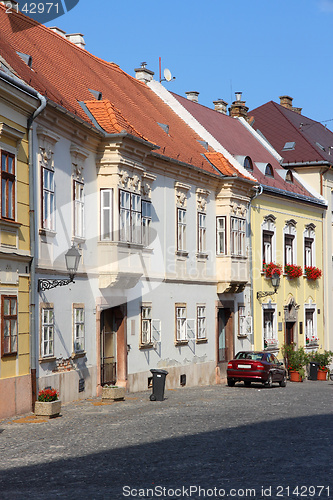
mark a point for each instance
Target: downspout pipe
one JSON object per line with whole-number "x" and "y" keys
{"x": 32, "y": 221}
{"x": 258, "y": 191}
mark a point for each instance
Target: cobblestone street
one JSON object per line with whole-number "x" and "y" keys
{"x": 204, "y": 442}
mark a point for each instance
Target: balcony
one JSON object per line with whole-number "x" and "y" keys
{"x": 232, "y": 274}
{"x": 121, "y": 265}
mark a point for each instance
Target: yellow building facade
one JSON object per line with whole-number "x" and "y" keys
{"x": 16, "y": 105}
{"x": 288, "y": 230}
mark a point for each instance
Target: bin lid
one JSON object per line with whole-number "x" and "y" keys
{"x": 157, "y": 370}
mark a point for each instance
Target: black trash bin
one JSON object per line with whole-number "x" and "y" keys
{"x": 313, "y": 370}
{"x": 159, "y": 377}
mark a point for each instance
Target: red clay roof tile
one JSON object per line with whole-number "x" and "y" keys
{"x": 64, "y": 73}
{"x": 280, "y": 125}
{"x": 236, "y": 139}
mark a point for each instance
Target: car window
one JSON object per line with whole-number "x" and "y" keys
{"x": 250, "y": 355}
{"x": 269, "y": 358}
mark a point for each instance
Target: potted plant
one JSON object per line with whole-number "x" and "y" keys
{"x": 113, "y": 392}
{"x": 293, "y": 271}
{"x": 271, "y": 268}
{"x": 295, "y": 360}
{"x": 48, "y": 403}
{"x": 312, "y": 273}
{"x": 323, "y": 359}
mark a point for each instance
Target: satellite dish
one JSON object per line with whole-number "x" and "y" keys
{"x": 167, "y": 75}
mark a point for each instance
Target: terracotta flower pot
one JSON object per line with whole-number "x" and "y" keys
{"x": 295, "y": 377}
{"x": 322, "y": 375}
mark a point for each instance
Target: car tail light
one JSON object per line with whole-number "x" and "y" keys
{"x": 230, "y": 365}
{"x": 259, "y": 366}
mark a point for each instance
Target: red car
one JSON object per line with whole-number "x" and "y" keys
{"x": 256, "y": 366}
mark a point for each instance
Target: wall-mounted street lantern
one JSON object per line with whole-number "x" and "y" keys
{"x": 72, "y": 258}
{"x": 275, "y": 278}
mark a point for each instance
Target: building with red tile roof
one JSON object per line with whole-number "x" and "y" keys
{"x": 286, "y": 227}
{"x": 116, "y": 172}
{"x": 306, "y": 146}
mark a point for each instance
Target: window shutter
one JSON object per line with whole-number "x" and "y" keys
{"x": 190, "y": 329}
{"x": 248, "y": 325}
{"x": 156, "y": 330}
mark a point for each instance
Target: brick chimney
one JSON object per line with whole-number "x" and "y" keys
{"x": 192, "y": 96}
{"x": 143, "y": 74}
{"x": 221, "y": 106}
{"x": 238, "y": 107}
{"x": 287, "y": 102}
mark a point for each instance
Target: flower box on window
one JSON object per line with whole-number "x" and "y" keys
{"x": 293, "y": 271}
{"x": 312, "y": 273}
{"x": 272, "y": 268}
{"x": 312, "y": 341}
{"x": 271, "y": 343}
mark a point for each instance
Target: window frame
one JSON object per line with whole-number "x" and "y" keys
{"x": 237, "y": 236}
{"x": 202, "y": 229}
{"x": 78, "y": 210}
{"x": 267, "y": 246}
{"x": 103, "y": 209}
{"x": 181, "y": 326}
{"x": 49, "y": 222}
{"x": 10, "y": 318}
{"x": 289, "y": 249}
{"x": 129, "y": 230}
{"x": 241, "y": 313}
{"x": 201, "y": 323}
{"x": 8, "y": 178}
{"x": 146, "y": 321}
{"x": 221, "y": 232}
{"x": 50, "y": 327}
{"x": 146, "y": 220}
{"x": 80, "y": 323}
{"x": 181, "y": 230}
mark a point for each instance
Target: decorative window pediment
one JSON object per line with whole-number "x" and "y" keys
{"x": 202, "y": 195}
{"x": 78, "y": 157}
{"x": 181, "y": 190}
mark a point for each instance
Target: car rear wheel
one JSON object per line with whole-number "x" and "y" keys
{"x": 231, "y": 382}
{"x": 283, "y": 382}
{"x": 247, "y": 383}
{"x": 269, "y": 381}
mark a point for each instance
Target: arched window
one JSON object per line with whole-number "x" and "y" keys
{"x": 248, "y": 163}
{"x": 269, "y": 170}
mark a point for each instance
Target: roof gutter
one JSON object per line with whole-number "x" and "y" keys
{"x": 307, "y": 163}
{"x": 290, "y": 194}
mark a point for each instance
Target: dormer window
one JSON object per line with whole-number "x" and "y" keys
{"x": 248, "y": 163}
{"x": 269, "y": 170}
{"x": 289, "y": 176}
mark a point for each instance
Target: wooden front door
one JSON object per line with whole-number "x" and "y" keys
{"x": 289, "y": 332}
{"x": 108, "y": 347}
{"x": 225, "y": 335}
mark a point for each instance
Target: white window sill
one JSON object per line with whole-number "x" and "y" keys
{"x": 47, "y": 232}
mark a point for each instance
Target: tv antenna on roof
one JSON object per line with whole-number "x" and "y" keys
{"x": 167, "y": 74}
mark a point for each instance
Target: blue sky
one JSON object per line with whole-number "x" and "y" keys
{"x": 262, "y": 48}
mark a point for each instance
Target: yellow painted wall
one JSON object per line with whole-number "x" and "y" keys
{"x": 18, "y": 238}
{"x": 301, "y": 288}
